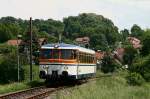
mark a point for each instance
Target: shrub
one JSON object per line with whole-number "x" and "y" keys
{"x": 4, "y": 49}
{"x": 142, "y": 66}
{"x": 135, "y": 79}
{"x": 9, "y": 70}
{"x": 109, "y": 64}
{"x": 129, "y": 55}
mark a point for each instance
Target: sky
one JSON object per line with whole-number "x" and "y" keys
{"x": 123, "y": 13}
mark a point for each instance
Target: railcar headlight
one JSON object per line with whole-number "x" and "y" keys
{"x": 65, "y": 68}
{"x": 45, "y": 67}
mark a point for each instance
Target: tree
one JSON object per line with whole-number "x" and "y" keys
{"x": 141, "y": 65}
{"x": 100, "y": 41}
{"x": 96, "y": 27}
{"x": 125, "y": 34}
{"x": 145, "y": 43}
{"x": 8, "y": 66}
{"x": 9, "y": 28}
{"x": 129, "y": 55}
{"x": 49, "y": 26}
{"x": 109, "y": 64}
{"x": 5, "y": 33}
{"x": 136, "y": 31}
{"x": 8, "y": 20}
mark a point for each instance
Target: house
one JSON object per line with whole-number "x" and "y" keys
{"x": 99, "y": 55}
{"x": 42, "y": 41}
{"x": 14, "y": 42}
{"x": 118, "y": 54}
{"x": 83, "y": 40}
{"x": 135, "y": 42}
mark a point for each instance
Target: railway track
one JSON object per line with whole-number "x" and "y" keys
{"x": 33, "y": 93}
{"x": 38, "y": 92}
{"x": 43, "y": 91}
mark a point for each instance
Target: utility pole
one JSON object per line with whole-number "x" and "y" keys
{"x": 30, "y": 48}
{"x": 18, "y": 57}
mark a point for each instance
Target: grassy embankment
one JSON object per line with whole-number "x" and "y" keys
{"x": 107, "y": 87}
{"x": 16, "y": 86}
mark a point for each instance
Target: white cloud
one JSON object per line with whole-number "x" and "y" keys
{"x": 123, "y": 13}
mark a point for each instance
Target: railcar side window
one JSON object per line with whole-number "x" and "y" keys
{"x": 86, "y": 58}
{"x": 66, "y": 54}
{"x": 74, "y": 54}
{"x": 80, "y": 57}
{"x": 58, "y": 54}
{"x": 55, "y": 54}
{"x": 46, "y": 53}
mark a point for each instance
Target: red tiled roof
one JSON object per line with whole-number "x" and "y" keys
{"x": 78, "y": 39}
{"x": 99, "y": 55}
{"x": 135, "y": 42}
{"x": 118, "y": 53}
{"x": 83, "y": 40}
{"x": 42, "y": 40}
{"x": 14, "y": 42}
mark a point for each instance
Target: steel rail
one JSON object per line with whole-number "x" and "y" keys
{"x": 42, "y": 91}
{"x": 14, "y": 94}
{"x": 43, "y": 95}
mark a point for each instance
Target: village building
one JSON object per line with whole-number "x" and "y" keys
{"x": 99, "y": 55}
{"x": 118, "y": 54}
{"x": 84, "y": 41}
{"x": 14, "y": 42}
{"x": 135, "y": 42}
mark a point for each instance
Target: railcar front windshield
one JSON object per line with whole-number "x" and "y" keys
{"x": 57, "y": 54}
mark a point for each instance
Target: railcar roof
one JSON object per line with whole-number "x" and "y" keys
{"x": 66, "y": 46}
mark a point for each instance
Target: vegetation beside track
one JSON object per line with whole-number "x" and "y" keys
{"x": 25, "y": 84}
{"x": 107, "y": 87}
{"x": 19, "y": 86}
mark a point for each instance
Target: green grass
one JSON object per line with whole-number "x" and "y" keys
{"x": 5, "y": 88}
{"x": 35, "y": 73}
{"x": 107, "y": 87}
{"x": 12, "y": 87}
{"x": 19, "y": 86}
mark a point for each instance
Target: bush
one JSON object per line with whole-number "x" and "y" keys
{"x": 9, "y": 70}
{"x": 129, "y": 55}
{"x": 142, "y": 66}
{"x": 109, "y": 64}
{"x": 4, "y": 49}
{"x": 146, "y": 70}
{"x": 135, "y": 79}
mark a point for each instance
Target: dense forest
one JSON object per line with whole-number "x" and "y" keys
{"x": 103, "y": 34}
{"x": 100, "y": 30}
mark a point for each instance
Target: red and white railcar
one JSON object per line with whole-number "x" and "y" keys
{"x": 65, "y": 60}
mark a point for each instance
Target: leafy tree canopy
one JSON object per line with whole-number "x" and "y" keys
{"x": 136, "y": 31}
{"x": 94, "y": 26}
{"x": 125, "y": 34}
